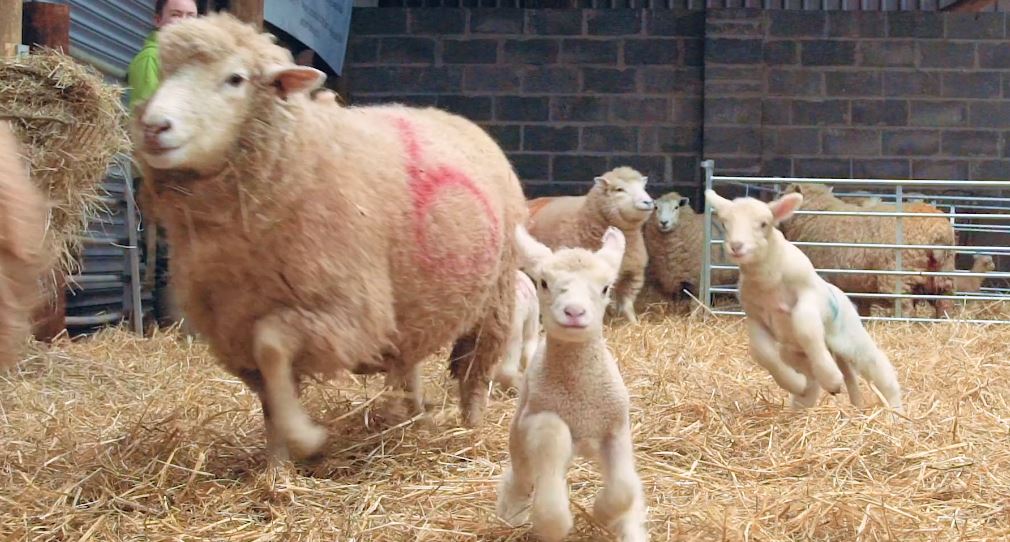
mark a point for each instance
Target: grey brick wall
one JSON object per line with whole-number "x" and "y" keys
{"x": 567, "y": 93}
{"x": 913, "y": 95}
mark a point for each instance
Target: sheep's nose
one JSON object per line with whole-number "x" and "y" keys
{"x": 572, "y": 311}
{"x": 664, "y": 223}
{"x": 736, "y": 246}
{"x": 157, "y": 126}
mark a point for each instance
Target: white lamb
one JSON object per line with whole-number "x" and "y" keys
{"x": 524, "y": 335}
{"x": 803, "y": 330}
{"x": 573, "y": 399}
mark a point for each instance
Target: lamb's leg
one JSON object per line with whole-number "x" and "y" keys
{"x": 857, "y": 347}
{"x": 274, "y": 349}
{"x": 765, "y": 351}
{"x": 851, "y": 381}
{"x": 507, "y": 373}
{"x": 620, "y": 505}
{"x": 515, "y": 490}
{"x": 548, "y": 443}
{"x": 811, "y": 392}
{"x": 808, "y": 328}
{"x": 626, "y": 291}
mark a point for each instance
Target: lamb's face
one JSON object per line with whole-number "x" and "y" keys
{"x": 749, "y": 223}
{"x": 984, "y": 264}
{"x": 216, "y": 72}
{"x": 667, "y": 213}
{"x": 627, "y": 199}
{"x": 573, "y": 284}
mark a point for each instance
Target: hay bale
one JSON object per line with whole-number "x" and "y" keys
{"x": 70, "y": 123}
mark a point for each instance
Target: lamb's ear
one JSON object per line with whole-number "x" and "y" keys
{"x": 613, "y": 247}
{"x": 715, "y": 200}
{"x": 645, "y": 180}
{"x": 531, "y": 251}
{"x": 602, "y": 181}
{"x": 784, "y": 207}
{"x": 293, "y": 79}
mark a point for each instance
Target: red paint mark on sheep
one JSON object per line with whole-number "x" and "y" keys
{"x": 426, "y": 182}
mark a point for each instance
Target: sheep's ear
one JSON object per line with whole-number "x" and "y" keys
{"x": 784, "y": 207}
{"x": 645, "y": 180}
{"x": 715, "y": 200}
{"x": 613, "y": 247}
{"x": 293, "y": 79}
{"x": 532, "y": 252}
{"x": 683, "y": 202}
{"x": 602, "y": 181}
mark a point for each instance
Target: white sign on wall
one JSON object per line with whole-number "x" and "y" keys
{"x": 322, "y": 25}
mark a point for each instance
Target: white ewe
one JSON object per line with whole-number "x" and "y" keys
{"x": 803, "y": 330}
{"x": 573, "y": 399}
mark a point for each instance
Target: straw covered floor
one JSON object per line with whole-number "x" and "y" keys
{"x": 117, "y": 437}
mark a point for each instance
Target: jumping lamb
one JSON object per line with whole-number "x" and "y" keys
{"x": 617, "y": 198}
{"x": 573, "y": 399}
{"x": 22, "y": 230}
{"x": 308, "y": 238}
{"x": 674, "y": 239}
{"x": 870, "y": 229}
{"x": 524, "y": 335}
{"x": 803, "y": 330}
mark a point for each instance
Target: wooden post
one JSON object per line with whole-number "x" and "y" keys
{"x": 250, "y": 11}
{"x": 10, "y": 27}
{"x": 47, "y": 25}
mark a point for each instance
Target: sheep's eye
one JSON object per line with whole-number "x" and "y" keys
{"x": 764, "y": 225}
{"x": 606, "y": 289}
{"x": 236, "y": 79}
{"x": 543, "y": 284}
{"x": 618, "y": 190}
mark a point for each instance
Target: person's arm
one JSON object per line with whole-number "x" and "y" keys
{"x": 143, "y": 76}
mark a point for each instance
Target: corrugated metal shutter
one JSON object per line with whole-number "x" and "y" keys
{"x": 106, "y": 34}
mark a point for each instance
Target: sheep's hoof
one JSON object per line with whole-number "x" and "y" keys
{"x": 307, "y": 442}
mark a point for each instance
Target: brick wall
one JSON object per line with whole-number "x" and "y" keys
{"x": 567, "y": 93}
{"x": 570, "y": 93}
{"x": 894, "y": 95}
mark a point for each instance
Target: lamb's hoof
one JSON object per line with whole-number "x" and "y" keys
{"x": 553, "y": 528}
{"x": 307, "y": 442}
{"x": 630, "y": 532}
{"x": 512, "y": 508}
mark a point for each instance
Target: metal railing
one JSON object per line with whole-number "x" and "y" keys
{"x": 951, "y": 207}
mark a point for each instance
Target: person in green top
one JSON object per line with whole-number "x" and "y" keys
{"x": 142, "y": 76}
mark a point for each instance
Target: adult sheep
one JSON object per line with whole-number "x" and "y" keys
{"x": 308, "y": 238}
{"x": 617, "y": 198}
{"x": 675, "y": 239}
{"x": 22, "y": 230}
{"x": 870, "y": 229}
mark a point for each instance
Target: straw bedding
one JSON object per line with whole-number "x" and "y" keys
{"x": 122, "y": 438}
{"x": 70, "y": 124}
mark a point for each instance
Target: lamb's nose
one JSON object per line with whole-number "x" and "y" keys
{"x": 157, "y": 126}
{"x": 736, "y": 246}
{"x": 574, "y": 312}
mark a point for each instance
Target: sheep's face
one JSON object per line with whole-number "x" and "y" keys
{"x": 573, "y": 284}
{"x": 667, "y": 213}
{"x": 984, "y": 264}
{"x": 749, "y": 224}
{"x": 216, "y": 76}
{"x": 627, "y": 204}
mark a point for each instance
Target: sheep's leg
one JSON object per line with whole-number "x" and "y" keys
{"x": 274, "y": 348}
{"x": 765, "y": 351}
{"x": 407, "y": 379}
{"x": 276, "y": 449}
{"x": 548, "y": 444}
{"x": 808, "y": 328}
{"x": 626, "y": 291}
{"x": 515, "y": 490}
{"x": 620, "y": 505}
